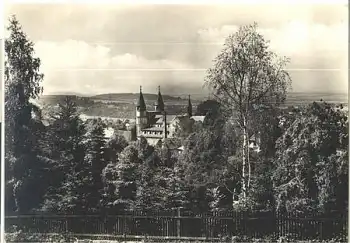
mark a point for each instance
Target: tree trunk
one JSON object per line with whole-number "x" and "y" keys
{"x": 249, "y": 165}
{"x": 244, "y": 158}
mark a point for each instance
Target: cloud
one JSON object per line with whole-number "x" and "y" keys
{"x": 216, "y": 35}
{"x": 77, "y": 65}
{"x": 308, "y": 45}
{"x": 292, "y": 38}
{"x": 71, "y": 54}
{"x": 84, "y": 38}
{"x": 319, "y": 81}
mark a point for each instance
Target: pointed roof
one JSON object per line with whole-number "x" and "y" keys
{"x": 169, "y": 119}
{"x": 159, "y": 103}
{"x": 141, "y": 105}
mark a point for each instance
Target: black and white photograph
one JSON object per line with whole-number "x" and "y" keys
{"x": 176, "y": 122}
{"x": 1, "y": 131}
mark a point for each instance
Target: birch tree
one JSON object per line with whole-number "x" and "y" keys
{"x": 246, "y": 76}
{"x": 23, "y": 160}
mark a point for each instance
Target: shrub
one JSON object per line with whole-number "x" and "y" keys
{"x": 17, "y": 235}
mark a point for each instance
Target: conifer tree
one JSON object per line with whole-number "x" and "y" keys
{"x": 95, "y": 159}
{"x": 69, "y": 170}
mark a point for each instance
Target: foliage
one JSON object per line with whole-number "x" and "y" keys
{"x": 207, "y": 106}
{"x": 166, "y": 154}
{"x": 95, "y": 159}
{"x": 205, "y": 162}
{"x": 183, "y": 127}
{"x": 119, "y": 180}
{"x": 261, "y": 187}
{"x": 24, "y": 166}
{"x": 114, "y": 146}
{"x": 311, "y": 164}
{"x": 246, "y": 75}
{"x": 17, "y": 235}
{"x": 68, "y": 168}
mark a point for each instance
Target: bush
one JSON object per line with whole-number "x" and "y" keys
{"x": 17, "y": 235}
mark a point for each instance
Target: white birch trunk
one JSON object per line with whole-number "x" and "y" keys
{"x": 244, "y": 158}
{"x": 249, "y": 166}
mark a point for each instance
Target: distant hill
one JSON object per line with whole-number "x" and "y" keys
{"x": 57, "y": 98}
{"x": 122, "y": 105}
{"x": 131, "y": 96}
{"x": 292, "y": 98}
{"x": 66, "y": 93}
{"x": 307, "y": 97}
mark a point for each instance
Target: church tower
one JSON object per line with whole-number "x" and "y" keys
{"x": 159, "y": 104}
{"x": 141, "y": 114}
{"x": 165, "y": 128}
{"x": 189, "y": 107}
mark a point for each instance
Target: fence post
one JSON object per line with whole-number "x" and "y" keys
{"x": 178, "y": 222}
{"x": 124, "y": 225}
{"x": 66, "y": 225}
{"x": 205, "y": 226}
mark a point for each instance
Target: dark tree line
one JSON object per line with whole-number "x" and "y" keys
{"x": 68, "y": 166}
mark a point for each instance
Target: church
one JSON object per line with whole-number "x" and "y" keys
{"x": 156, "y": 125}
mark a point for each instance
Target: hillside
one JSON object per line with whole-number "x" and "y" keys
{"x": 293, "y": 97}
{"x": 131, "y": 96}
{"x": 122, "y": 105}
{"x": 303, "y": 97}
{"x": 120, "y": 98}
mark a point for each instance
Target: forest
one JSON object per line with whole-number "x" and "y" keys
{"x": 68, "y": 167}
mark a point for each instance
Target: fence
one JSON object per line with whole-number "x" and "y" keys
{"x": 178, "y": 224}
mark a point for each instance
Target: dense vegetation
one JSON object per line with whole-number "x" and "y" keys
{"x": 67, "y": 166}
{"x": 124, "y": 106}
{"x": 119, "y": 108}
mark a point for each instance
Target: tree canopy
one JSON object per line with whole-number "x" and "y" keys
{"x": 312, "y": 160}
{"x": 24, "y": 165}
{"x": 247, "y": 76}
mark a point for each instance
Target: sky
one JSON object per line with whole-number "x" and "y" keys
{"x": 101, "y": 48}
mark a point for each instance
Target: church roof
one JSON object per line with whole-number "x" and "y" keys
{"x": 159, "y": 102}
{"x": 169, "y": 118}
{"x": 141, "y": 105}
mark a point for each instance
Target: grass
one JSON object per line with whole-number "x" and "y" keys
{"x": 25, "y": 237}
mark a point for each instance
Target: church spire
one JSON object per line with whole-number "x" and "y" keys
{"x": 141, "y": 105}
{"x": 189, "y": 106}
{"x": 159, "y": 105}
